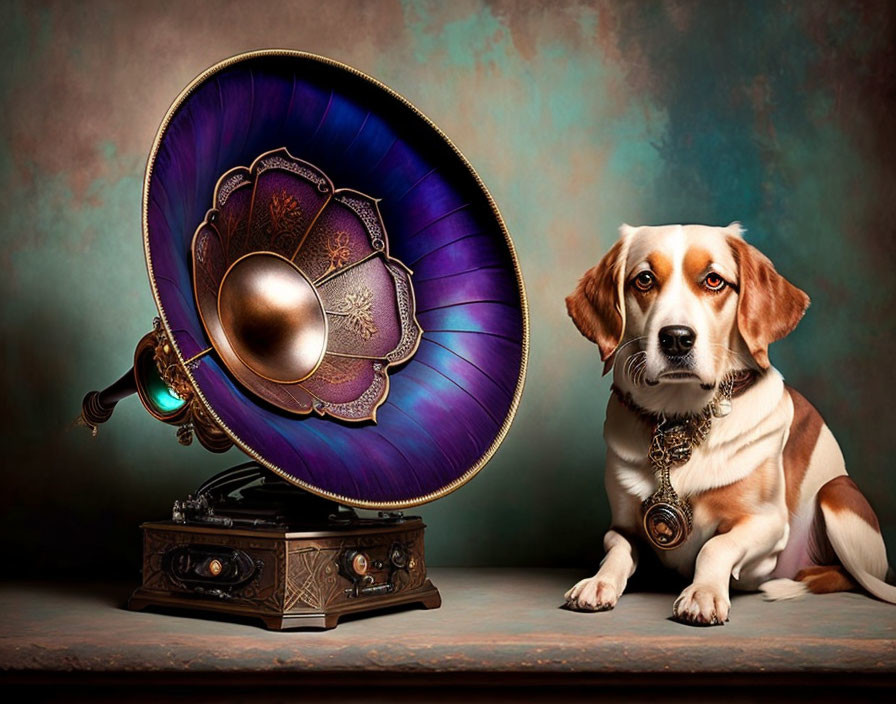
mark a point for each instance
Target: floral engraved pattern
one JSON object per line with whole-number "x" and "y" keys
{"x": 332, "y": 374}
{"x": 338, "y": 251}
{"x": 356, "y": 306}
{"x": 227, "y": 227}
{"x": 284, "y": 214}
{"x": 283, "y": 208}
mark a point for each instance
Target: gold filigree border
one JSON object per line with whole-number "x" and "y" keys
{"x": 511, "y": 413}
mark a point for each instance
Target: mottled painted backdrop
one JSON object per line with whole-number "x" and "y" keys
{"x": 577, "y": 115}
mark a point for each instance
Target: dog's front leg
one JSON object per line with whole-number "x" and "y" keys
{"x": 705, "y": 602}
{"x": 602, "y": 591}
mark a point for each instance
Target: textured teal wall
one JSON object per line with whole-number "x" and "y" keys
{"x": 578, "y": 116}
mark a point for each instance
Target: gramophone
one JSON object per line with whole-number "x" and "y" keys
{"x": 339, "y": 298}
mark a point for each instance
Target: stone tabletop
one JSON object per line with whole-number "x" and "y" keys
{"x": 492, "y": 621}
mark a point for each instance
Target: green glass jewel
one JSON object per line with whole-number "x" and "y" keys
{"x": 159, "y": 394}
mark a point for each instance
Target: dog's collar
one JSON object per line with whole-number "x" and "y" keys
{"x": 666, "y": 517}
{"x": 740, "y": 380}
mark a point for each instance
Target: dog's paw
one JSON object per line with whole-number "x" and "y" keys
{"x": 702, "y": 605}
{"x": 592, "y": 594}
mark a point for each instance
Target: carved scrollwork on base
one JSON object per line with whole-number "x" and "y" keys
{"x": 286, "y": 578}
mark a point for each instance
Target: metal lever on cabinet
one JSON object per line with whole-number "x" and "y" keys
{"x": 386, "y": 588}
{"x": 354, "y": 565}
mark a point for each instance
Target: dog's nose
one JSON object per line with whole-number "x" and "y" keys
{"x": 677, "y": 340}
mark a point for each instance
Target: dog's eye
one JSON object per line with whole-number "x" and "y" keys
{"x": 713, "y": 282}
{"x": 644, "y": 281}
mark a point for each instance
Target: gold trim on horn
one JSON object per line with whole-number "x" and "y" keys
{"x": 481, "y": 462}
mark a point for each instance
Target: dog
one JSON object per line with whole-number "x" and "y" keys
{"x": 683, "y": 316}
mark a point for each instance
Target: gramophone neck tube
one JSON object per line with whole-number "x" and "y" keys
{"x": 97, "y": 406}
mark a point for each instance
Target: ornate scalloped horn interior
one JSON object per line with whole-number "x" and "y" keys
{"x": 338, "y": 295}
{"x": 297, "y": 291}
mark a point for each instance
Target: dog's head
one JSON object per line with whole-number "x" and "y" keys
{"x": 674, "y": 308}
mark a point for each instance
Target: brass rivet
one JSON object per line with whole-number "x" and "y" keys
{"x": 215, "y": 567}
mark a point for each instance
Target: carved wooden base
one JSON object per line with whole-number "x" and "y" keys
{"x": 306, "y": 579}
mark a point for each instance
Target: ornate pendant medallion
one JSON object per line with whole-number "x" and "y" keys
{"x": 667, "y": 525}
{"x": 667, "y": 518}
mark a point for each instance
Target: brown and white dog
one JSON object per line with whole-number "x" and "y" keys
{"x": 674, "y": 309}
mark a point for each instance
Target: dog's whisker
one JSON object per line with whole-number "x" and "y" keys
{"x": 642, "y": 370}
{"x": 626, "y": 344}
{"x": 634, "y": 362}
{"x": 623, "y": 346}
{"x": 634, "y": 365}
{"x": 639, "y": 369}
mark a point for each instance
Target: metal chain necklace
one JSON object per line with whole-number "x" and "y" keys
{"x": 666, "y": 517}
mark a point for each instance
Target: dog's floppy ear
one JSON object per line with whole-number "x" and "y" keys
{"x": 768, "y": 305}
{"x": 596, "y": 306}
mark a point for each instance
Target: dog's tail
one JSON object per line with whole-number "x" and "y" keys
{"x": 854, "y": 533}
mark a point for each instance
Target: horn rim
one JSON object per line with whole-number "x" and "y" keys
{"x": 524, "y": 306}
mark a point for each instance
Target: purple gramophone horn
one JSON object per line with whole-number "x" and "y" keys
{"x": 338, "y": 295}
